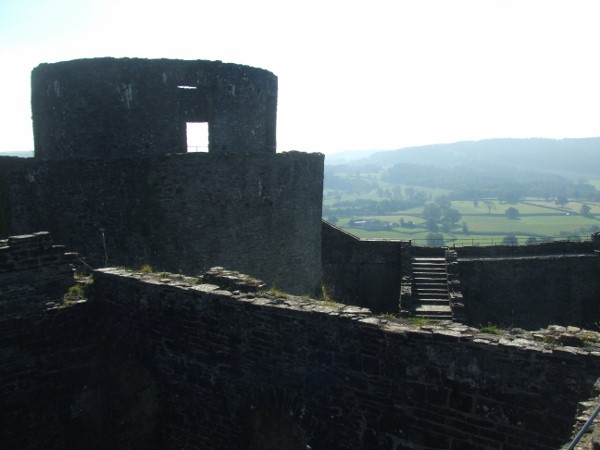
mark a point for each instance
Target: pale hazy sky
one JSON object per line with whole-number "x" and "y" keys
{"x": 352, "y": 75}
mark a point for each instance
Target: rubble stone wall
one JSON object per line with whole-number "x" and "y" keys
{"x": 359, "y": 272}
{"x": 532, "y": 292}
{"x": 110, "y": 108}
{"x": 185, "y": 213}
{"x": 32, "y": 270}
{"x": 243, "y": 370}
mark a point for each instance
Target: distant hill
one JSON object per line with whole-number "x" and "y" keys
{"x": 565, "y": 156}
{"x": 22, "y": 154}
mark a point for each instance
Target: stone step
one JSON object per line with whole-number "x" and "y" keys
{"x": 426, "y": 297}
{"x": 430, "y": 280}
{"x": 433, "y": 287}
{"x": 430, "y": 295}
{"x": 430, "y": 287}
{"x": 434, "y": 318}
{"x": 437, "y": 281}
{"x": 433, "y": 309}
{"x": 441, "y": 262}
{"x": 436, "y": 314}
{"x": 426, "y": 270}
{"x": 440, "y": 287}
{"x": 433, "y": 276}
{"x": 429, "y": 259}
{"x": 432, "y": 301}
{"x": 427, "y": 294}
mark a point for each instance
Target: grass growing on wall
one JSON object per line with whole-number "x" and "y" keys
{"x": 491, "y": 329}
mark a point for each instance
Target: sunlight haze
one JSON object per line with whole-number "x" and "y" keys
{"x": 352, "y": 75}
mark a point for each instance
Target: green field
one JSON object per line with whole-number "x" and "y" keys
{"x": 539, "y": 219}
{"x": 385, "y": 190}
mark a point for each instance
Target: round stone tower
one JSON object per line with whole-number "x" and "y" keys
{"x": 112, "y": 108}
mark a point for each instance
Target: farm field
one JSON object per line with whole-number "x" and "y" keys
{"x": 476, "y": 192}
{"x": 537, "y": 219}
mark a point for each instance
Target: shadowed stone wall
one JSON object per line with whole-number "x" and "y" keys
{"x": 111, "y": 108}
{"x": 260, "y": 214}
{"x": 242, "y": 371}
{"x": 531, "y": 292}
{"x": 361, "y": 272}
{"x": 46, "y": 349}
{"x": 528, "y": 286}
{"x": 32, "y": 270}
{"x": 111, "y": 178}
{"x": 159, "y": 361}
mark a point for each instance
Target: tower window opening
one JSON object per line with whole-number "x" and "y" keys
{"x": 197, "y": 136}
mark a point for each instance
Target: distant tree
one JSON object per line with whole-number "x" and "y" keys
{"x": 475, "y": 203}
{"x": 435, "y": 240}
{"x": 510, "y": 196}
{"x": 510, "y": 239}
{"x": 512, "y": 213}
{"x": 332, "y": 219}
{"x": 465, "y": 228}
{"x": 446, "y": 225}
{"x": 452, "y": 215}
{"x": 489, "y": 205}
{"x": 585, "y": 210}
{"x": 443, "y": 201}
{"x": 431, "y": 225}
{"x": 432, "y": 211}
{"x": 532, "y": 241}
{"x": 561, "y": 200}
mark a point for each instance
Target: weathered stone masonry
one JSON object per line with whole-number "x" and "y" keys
{"x": 243, "y": 371}
{"x": 46, "y": 351}
{"x": 260, "y": 214}
{"x": 362, "y": 272}
{"x": 111, "y": 179}
{"x": 110, "y": 108}
{"x": 32, "y": 267}
{"x": 156, "y": 361}
{"x": 527, "y": 287}
{"x": 532, "y": 292}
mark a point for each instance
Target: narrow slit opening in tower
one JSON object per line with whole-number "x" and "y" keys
{"x": 197, "y": 136}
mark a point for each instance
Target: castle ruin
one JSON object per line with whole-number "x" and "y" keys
{"x": 112, "y": 178}
{"x": 171, "y": 361}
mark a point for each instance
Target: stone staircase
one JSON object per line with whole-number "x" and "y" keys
{"x": 430, "y": 293}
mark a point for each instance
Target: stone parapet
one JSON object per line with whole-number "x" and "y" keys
{"x": 32, "y": 270}
{"x": 335, "y": 376}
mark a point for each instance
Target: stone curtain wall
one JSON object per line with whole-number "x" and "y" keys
{"x": 47, "y": 354}
{"x": 107, "y": 107}
{"x": 543, "y": 249}
{"x": 45, "y": 350}
{"x": 242, "y": 371}
{"x": 32, "y": 270}
{"x": 532, "y": 292}
{"x": 361, "y": 272}
{"x": 260, "y": 214}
